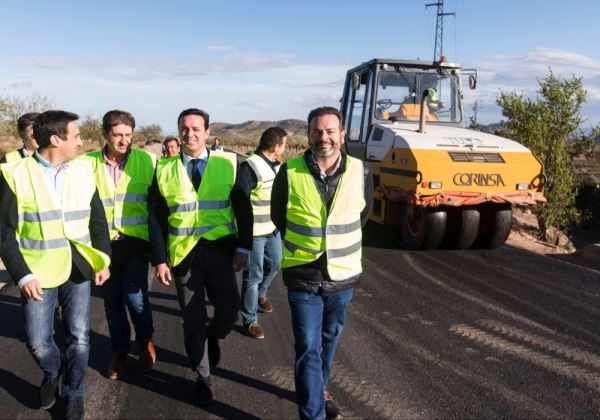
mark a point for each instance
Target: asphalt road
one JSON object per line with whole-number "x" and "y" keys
{"x": 437, "y": 334}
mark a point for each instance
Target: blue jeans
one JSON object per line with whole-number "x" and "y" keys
{"x": 128, "y": 288}
{"x": 74, "y": 299}
{"x": 317, "y": 322}
{"x": 261, "y": 268}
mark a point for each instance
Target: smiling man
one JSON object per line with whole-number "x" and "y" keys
{"x": 123, "y": 176}
{"x": 171, "y": 147}
{"x": 55, "y": 242}
{"x": 201, "y": 231}
{"x": 320, "y": 202}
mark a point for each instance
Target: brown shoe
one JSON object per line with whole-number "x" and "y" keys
{"x": 254, "y": 331}
{"x": 147, "y": 355}
{"x": 117, "y": 366}
{"x": 332, "y": 409}
{"x": 265, "y": 304}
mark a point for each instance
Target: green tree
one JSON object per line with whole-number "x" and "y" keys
{"x": 91, "y": 130}
{"x": 148, "y": 132}
{"x": 550, "y": 125}
{"x": 12, "y": 107}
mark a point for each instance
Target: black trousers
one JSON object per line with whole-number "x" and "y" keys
{"x": 211, "y": 276}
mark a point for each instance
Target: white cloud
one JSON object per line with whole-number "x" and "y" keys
{"x": 317, "y": 99}
{"x": 271, "y": 94}
{"x": 228, "y": 61}
{"x": 254, "y": 104}
{"x": 218, "y": 48}
{"x": 19, "y": 85}
{"x": 521, "y": 73}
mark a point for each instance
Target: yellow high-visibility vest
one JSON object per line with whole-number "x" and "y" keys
{"x": 46, "y": 227}
{"x": 206, "y": 213}
{"x": 310, "y": 231}
{"x": 13, "y": 156}
{"x": 260, "y": 197}
{"x": 125, "y": 204}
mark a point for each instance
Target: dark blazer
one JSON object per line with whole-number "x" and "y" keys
{"x": 158, "y": 225}
{"x": 11, "y": 254}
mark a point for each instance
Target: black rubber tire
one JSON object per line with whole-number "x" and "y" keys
{"x": 462, "y": 228}
{"x": 422, "y": 227}
{"x": 469, "y": 227}
{"x": 452, "y": 227}
{"x": 497, "y": 229}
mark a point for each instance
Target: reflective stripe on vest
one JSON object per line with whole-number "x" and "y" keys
{"x": 310, "y": 231}
{"x": 47, "y": 227}
{"x": 260, "y": 197}
{"x": 125, "y": 204}
{"x": 206, "y": 213}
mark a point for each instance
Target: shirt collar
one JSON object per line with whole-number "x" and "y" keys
{"x": 186, "y": 158}
{"x": 105, "y": 155}
{"x": 43, "y": 162}
{"x": 322, "y": 173}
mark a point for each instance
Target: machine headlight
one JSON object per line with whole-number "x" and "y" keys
{"x": 435, "y": 185}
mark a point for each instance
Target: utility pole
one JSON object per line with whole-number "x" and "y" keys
{"x": 439, "y": 28}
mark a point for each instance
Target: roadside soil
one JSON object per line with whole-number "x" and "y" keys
{"x": 582, "y": 248}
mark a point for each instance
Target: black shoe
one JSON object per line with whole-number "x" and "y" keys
{"x": 202, "y": 394}
{"x": 48, "y": 391}
{"x": 75, "y": 410}
{"x": 332, "y": 410}
{"x": 214, "y": 352}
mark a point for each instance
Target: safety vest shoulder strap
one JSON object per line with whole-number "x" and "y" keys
{"x": 143, "y": 154}
{"x": 262, "y": 170}
{"x": 231, "y": 157}
{"x": 13, "y": 156}
{"x": 352, "y": 181}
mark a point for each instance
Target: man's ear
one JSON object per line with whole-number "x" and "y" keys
{"x": 55, "y": 140}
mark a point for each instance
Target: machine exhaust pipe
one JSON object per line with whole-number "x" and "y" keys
{"x": 422, "y": 112}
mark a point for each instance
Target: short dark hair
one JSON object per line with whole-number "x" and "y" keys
{"x": 194, "y": 111}
{"x": 116, "y": 117}
{"x": 325, "y": 110}
{"x": 169, "y": 139}
{"x": 25, "y": 121}
{"x": 52, "y": 123}
{"x": 271, "y": 137}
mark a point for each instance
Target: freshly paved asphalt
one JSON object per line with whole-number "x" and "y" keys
{"x": 437, "y": 334}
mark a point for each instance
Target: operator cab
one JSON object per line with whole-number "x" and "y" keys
{"x": 387, "y": 93}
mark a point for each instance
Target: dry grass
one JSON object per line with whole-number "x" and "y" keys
{"x": 9, "y": 143}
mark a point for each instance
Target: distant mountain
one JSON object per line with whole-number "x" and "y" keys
{"x": 494, "y": 127}
{"x": 255, "y": 128}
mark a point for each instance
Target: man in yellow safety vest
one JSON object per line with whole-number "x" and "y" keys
{"x": 200, "y": 231}
{"x": 55, "y": 241}
{"x": 257, "y": 173}
{"x": 123, "y": 176}
{"x": 320, "y": 201}
{"x": 25, "y": 129}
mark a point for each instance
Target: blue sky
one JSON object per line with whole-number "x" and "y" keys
{"x": 270, "y": 60}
